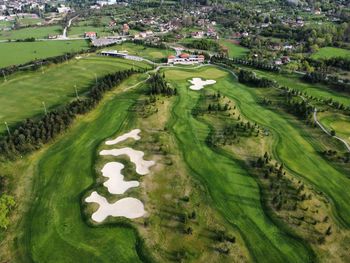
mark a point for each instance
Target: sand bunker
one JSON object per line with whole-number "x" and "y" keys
{"x": 127, "y": 207}
{"x": 134, "y": 134}
{"x": 136, "y": 157}
{"x": 198, "y": 83}
{"x": 116, "y": 184}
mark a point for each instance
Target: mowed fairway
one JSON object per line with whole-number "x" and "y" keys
{"x": 233, "y": 191}
{"x": 294, "y": 147}
{"x": 23, "y": 94}
{"x": 54, "y": 228}
{"x": 15, "y": 53}
{"x": 36, "y": 32}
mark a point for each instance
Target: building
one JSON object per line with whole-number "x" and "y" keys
{"x": 125, "y": 29}
{"x": 185, "y": 58}
{"x": 91, "y": 35}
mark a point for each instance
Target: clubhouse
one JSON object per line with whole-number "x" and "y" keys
{"x": 186, "y": 59}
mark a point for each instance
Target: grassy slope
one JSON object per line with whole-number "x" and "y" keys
{"x": 54, "y": 228}
{"x": 18, "y": 53}
{"x": 329, "y": 52}
{"x": 22, "y": 95}
{"x": 155, "y": 54}
{"x": 234, "y": 50}
{"x": 295, "y": 148}
{"x": 316, "y": 90}
{"x": 36, "y": 32}
{"x": 234, "y": 192}
{"x": 337, "y": 122}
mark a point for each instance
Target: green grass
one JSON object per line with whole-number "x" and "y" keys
{"x": 54, "y": 228}
{"x": 36, "y": 32}
{"x": 15, "y": 53}
{"x": 330, "y": 52}
{"x": 21, "y": 96}
{"x": 78, "y": 31}
{"x": 234, "y": 193}
{"x": 337, "y": 122}
{"x": 234, "y": 50}
{"x": 316, "y": 90}
{"x": 154, "y": 54}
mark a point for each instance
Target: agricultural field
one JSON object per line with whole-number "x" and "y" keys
{"x": 22, "y": 94}
{"x": 35, "y": 32}
{"x": 29, "y": 51}
{"x": 331, "y": 52}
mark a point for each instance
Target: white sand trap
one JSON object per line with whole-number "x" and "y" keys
{"x": 198, "y": 83}
{"x": 136, "y": 157}
{"x": 127, "y": 207}
{"x": 134, "y": 134}
{"x": 116, "y": 184}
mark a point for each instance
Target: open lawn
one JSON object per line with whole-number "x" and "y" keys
{"x": 337, "y": 122}
{"x": 36, "y": 32}
{"x": 15, "y": 53}
{"x": 234, "y": 50}
{"x": 21, "y": 96}
{"x": 331, "y": 52}
{"x": 154, "y": 54}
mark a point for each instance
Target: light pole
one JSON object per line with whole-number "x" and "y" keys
{"x": 44, "y": 107}
{"x": 7, "y": 128}
{"x": 76, "y": 91}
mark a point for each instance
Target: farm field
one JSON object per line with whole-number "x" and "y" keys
{"x": 331, "y": 52}
{"x": 21, "y": 96}
{"x": 234, "y": 50}
{"x": 36, "y": 32}
{"x": 28, "y": 51}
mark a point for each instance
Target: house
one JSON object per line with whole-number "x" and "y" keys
{"x": 125, "y": 29}
{"x": 90, "y": 35}
{"x": 317, "y": 11}
{"x": 63, "y": 9}
{"x": 198, "y": 34}
{"x": 285, "y": 60}
{"x": 185, "y": 58}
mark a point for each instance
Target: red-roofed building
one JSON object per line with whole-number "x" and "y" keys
{"x": 91, "y": 35}
{"x": 185, "y": 58}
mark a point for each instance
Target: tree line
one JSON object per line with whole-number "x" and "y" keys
{"x": 36, "y": 64}
{"x": 332, "y": 82}
{"x": 250, "y": 78}
{"x": 31, "y": 134}
{"x": 203, "y": 44}
{"x": 157, "y": 85}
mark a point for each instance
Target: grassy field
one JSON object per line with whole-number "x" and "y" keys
{"x": 36, "y": 32}
{"x": 234, "y": 50}
{"x": 337, "y": 122}
{"x": 154, "y": 54}
{"x": 56, "y": 213}
{"x": 316, "y": 90}
{"x": 234, "y": 193}
{"x": 28, "y": 51}
{"x": 21, "y": 96}
{"x": 330, "y": 52}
